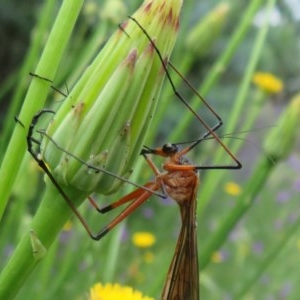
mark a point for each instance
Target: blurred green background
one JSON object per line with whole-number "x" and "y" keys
{"x": 260, "y": 255}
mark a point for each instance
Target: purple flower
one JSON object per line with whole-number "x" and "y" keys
{"x": 148, "y": 212}
{"x": 285, "y": 290}
{"x": 297, "y": 185}
{"x": 283, "y": 197}
{"x": 258, "y": 247}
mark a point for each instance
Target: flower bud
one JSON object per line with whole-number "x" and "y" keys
{"x": 282, "y": 139}
{"x": 205, "y": 33}
{"x": 113, "y": 10}
{"x": 106, "y": 116}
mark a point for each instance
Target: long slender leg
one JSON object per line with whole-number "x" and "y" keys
{"x": 97, "y": 169}
{"x": 137, "y": 197}
{"x": 210, "y": 130}
{"x": 144, "y": 195}
{"x": 123, "y": 200}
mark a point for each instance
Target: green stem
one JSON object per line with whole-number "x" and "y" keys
{"x": 36, "y": 95}
{"x": 277, "y": 146}
{"x": 20, "y": 81}
{"x": 271, "y": 257}
{"x": 239, "y": 104}
{"x": 253, "y": 187}
{"x": 220, "y": 65}
{"x": 47, "y": 223}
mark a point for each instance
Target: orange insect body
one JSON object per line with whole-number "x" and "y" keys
{"x": 181, "y": 183}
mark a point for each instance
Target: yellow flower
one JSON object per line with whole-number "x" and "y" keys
{"x": 148, "y": 257}
{"x": 115, "y": 292}
{"x": 298, "y": 244}
{"x": 232, "y": 188}
{"x": 143, "y": 239}
{"x": 267, "y": 82}
{"x": 217, "y": 257}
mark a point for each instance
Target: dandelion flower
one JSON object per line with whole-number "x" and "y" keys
{"x": 232, "y": 188}
{"x": 267, "y": 82}
{"x": 143, "y": 239}
{"x": 115, "y": 292}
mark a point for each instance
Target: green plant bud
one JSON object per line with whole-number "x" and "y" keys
{"x": 113, "y": 10}
{"x": 202, "y": 36}
{"x": 106, "y": 116}
{"x": 281, "y": 140}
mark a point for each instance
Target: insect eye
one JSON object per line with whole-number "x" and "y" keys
{"x": 170, "y": 148}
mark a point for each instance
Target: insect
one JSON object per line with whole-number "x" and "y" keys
{"x": 179, "y": 180}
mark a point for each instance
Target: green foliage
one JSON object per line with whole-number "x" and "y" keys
{"x": 248, "y": 244}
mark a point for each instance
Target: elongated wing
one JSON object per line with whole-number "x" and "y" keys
{"x": 183, "y": 276}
